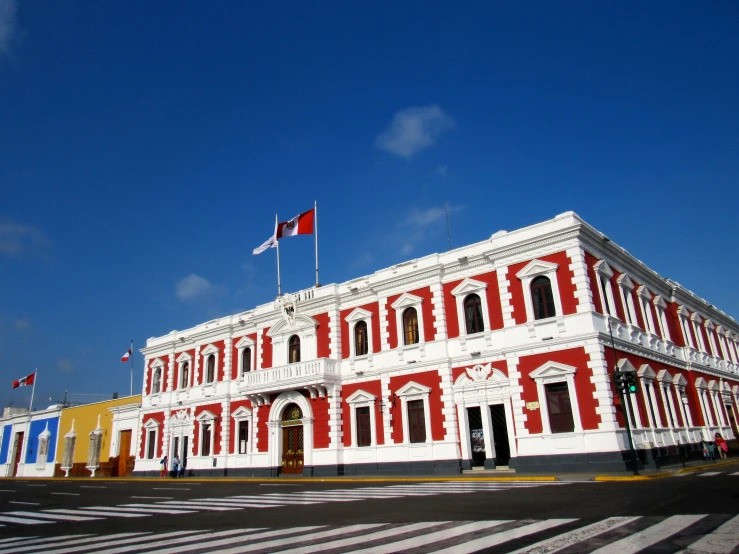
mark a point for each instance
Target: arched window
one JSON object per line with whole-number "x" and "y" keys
{"x": 541, "y": 294}
{"x": 360, "y": 338}
{"x": 473, "y": 314}
{"x": 410, "y": 326}
{"x": 292, "y": 412}
{"x": 211, "y": 369}
{"x": 245, "y": 360}
{"x": 185, "y": 380}
{"x": 156, "y": 381}
{"x": 293, "y": 350}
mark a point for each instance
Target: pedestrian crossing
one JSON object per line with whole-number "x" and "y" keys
{"x": 684, "y": 534}
{"x": 260, "y": 501}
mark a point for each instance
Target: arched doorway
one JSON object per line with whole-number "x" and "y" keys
{"x": 292, "y": 439}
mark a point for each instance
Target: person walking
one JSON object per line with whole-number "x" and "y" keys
{"x": 175, "y": 465}
{"x": 721, "y": 445}
{"x": 163, "y": 463}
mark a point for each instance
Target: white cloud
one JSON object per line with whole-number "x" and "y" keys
{"x": 16, "y": 238}
{"x": 420, "y": 225}
{"x": 413, "y": 129}
{"x": 193, "y": 286}
{"x": 363, "y": 260}
{"x": 8, "y": 27}
{"x": 65, "y": 365}
{"x": 23, "y": 323}
{"x": 441, "y": 171}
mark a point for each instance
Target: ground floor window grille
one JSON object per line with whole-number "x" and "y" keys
{"x": 243, "y": 436}
{"x": 150, "y": 444}
{"x": 416, "y": 421}
{"x": 364, "y": 430}
{"x": 205, "y": 449}
{"x": 560, "y": 410}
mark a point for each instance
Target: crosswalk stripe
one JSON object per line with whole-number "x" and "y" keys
{"x": 430, "y": 538}
{"x": 503, "y": 536}
{"x": 58, "y": 517}
{"x": 243, "y": 500}
{"x": 24, "y": 521}
{"x": 269, "y": 500}
{"x": 242, "y": 505}
{"x": 200, "y": 506}
{"x": 723, "y": 540}
{"x": 737, "y": 473}
{"x": 15, "y": 541}
{"x": 56, "y": 542}
{"x": 103, "y": 546}
{"x": 270, "y": 545}
{"x": 131, "y": 508}
{"x": 709, "y": 474}
{"x": 649, "y": 536}
{"x": 560, "y": 542}
{"x": 108, "y": 512}
{"x": 251, "y": 537}
{"x": 170, "y": 541}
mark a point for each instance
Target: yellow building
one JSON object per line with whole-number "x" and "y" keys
{"x": 93, "y": 437}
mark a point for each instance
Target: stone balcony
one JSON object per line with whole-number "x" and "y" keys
{"x": 313, "y": 375}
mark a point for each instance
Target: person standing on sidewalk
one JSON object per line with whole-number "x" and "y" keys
{"x": 721, "y": 445}
{"x": 163, "y": 463}
{"x": 175, "y": 465}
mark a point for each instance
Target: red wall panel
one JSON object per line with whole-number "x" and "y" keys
{"x": 266, "y": 350}
{"x": 492, "y": 295}
{"x": 235, "y": 354}
{"x": 321, "y": 427}
{"x": 429, "y": 320}
{"x": 322, "y": 336}
{"x": 374, "y": 308}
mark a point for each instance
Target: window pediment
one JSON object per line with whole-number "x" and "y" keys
{"x": 244, "y": 342}
{"x": 406, "y": 300}
{"x": 241, "y": 413}
{"x": 412, "y": 388}
{"x": 300, "y": 323}
{"x": 695, "y": 317}
{"x": 361, "y": 396}
{"x": 358, "y": 314}
{"x": 553, "y": 369}
{"x": 625, "y": 282}
{"x": 467, "y": 286}
{"x": 664, "y": 377}
{"x": 713, "y": 386}
{"x": 205, "y": 416}
{"x": 735, "y": 389}
{"x": 210, "y": 349}
{"x": 625, "y": 365}
{"x": 537, "y": 267}
{"x": 710, "y": 325}
{"x": 151, "y": 424}
{"x": 682, "y": 311}
{"x": 680, "y": 380}
{"x": 184, "y": 357}
{"x": 646, "y": 372}
{"x": 603, "y": 268}
{"x": 659, "y": 301}
{"x": 643, "y": 292}
{"x": 157, "y": 363}
{"x": 700, "y": 383}
{"x": 481, "y": 373}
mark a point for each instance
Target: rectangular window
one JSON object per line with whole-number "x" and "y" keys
{"x": 416, "y": 421}
{"x": 364, "y": 430}
{"x": 243, "y": 436}
{"x": 150, "y": 444}
{"x": 604, "y": 288}
{"x": 560, "y": 410}
{"x": 205, "y": 448}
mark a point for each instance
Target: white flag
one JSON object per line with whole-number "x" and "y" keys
{"x": 271, "y": 242}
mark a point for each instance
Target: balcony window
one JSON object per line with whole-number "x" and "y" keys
{"x": 294, "y": 349}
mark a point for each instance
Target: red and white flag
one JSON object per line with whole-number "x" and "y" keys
{"x": 125, "y": 357}
{"x": 27, "y": 380}
{"x": 298, "y": 225}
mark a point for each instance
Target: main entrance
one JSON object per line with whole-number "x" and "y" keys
{"x": 18, "y": 453}
{"x": 124, "y": 451}
{"x": 292, "y": 439}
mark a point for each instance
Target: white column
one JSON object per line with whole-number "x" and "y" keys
{"x": 464, "y": 430}
{"x": 487, "y": 426}
{"x": 505, "y": 296}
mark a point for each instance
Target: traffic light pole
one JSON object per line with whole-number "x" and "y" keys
{"x": 624, "y": 403}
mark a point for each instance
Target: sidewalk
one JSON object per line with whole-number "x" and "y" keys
{"x": 480, "y": 475}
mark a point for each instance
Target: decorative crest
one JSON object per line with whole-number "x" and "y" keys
{"x": 288, "y": 304}
{"x": 479, "y": 372}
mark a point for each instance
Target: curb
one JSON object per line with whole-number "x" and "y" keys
{"x": 707, "y": 466}
{"x": 282, "y": 479}
{"x": 633, "y": 477}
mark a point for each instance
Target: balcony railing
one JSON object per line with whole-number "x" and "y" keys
{"x": 313, "y": 372}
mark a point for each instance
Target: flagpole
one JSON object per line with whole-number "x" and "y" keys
{"x": 315, "y": 235}
{"x": 131, "y": 368}
{"x": 279, "y": 287}
{"x": 33, "y": 390}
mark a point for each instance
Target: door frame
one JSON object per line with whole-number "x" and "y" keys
{"x": 274, "y": 424}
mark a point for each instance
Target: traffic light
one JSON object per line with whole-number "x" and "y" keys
{"x": 630, "y": 382}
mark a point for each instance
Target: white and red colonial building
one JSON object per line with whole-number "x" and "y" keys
{"x": 494, "y": 354}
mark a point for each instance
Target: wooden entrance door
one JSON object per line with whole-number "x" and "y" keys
{"x": 124, "y": 451}
{"x": 292, "y": 449}
{"x": 292, "y": 439}
{"x": 18, "y": 446}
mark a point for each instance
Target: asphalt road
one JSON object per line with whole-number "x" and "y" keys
{"x": 664, "y": 515}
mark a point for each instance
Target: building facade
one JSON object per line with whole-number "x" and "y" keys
{"x": 28, "y": 443}
{"x": 500, "y": 353}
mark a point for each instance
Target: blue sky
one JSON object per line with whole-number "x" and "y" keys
{"x": 146, "y": 147}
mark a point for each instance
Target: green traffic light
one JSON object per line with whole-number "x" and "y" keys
{"x": 632, "y": 388}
